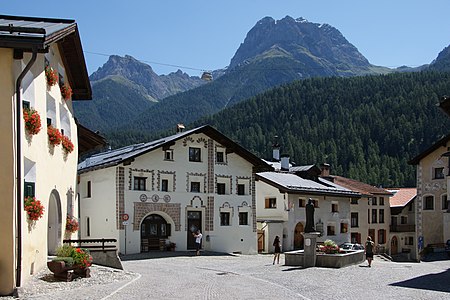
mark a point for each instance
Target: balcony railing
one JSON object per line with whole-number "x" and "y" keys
{"x": 403, "y": 228}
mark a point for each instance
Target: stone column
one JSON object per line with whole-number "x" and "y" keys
{"x": 309, "y": 258}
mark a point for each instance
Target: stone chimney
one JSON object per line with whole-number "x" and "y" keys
{"x": 285, "y": 162}
{"x": 276, "y": 149}
{"x": 325, "y": 170}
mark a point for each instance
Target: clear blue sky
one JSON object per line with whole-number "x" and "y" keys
{"x": 204, "y": 35}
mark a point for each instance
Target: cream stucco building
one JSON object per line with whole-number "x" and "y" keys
{"x": 30, "y": 165}
{"x": 150, "y": 194}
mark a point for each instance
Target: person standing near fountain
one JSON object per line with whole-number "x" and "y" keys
{"x": 277, "y": 251}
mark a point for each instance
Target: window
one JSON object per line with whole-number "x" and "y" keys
{"x": 243, "y": 218}
{"x": 89, "y": 190}
{"x": 382, "y": 236}
{"x": 368, "y": 216}
{"x": 195, "y": 154}
{"x": 220, "y": 157}
{"x": 221, "y": 188}
{"x": 354, "y": 201}
{"x": 344, "y": 227}
{"x": 373, "y": 201}
{"x": 381, "y": 200}
{"x": 374, "y": 216}
{"x": 88, "y": 226}
{"x": 195, "y": 187}
{"x": 334, "y": 207}
{"x": 444, "y": 202}
{"x": 139, "y": 183}
{"x": 164, "y": 185}
{"x": 409, "y": 240}
{"x": 271, "y": 203}
{"x": 29, "y": 189}
{"x": 26, "y": 104}
{"x": 224, "y": 219}
{"x": 301, "y": 202}
{"x": 168, "y": 154}
{"x": 354, "y": 219}
{"x": 241, "y": 189}
{"x": 381, "y": 216}
{"x": 438, "y": 173}
{"x": 429, "y": 203}
{"x": 316, "y": 203}
{"x": 330, "y": 230}
{"x": 403, "y": 220}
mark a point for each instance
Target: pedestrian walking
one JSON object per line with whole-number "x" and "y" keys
{"x": 198, "y": 241}
{"x": 277, "y": 250}
{"x": 369, "y": 251}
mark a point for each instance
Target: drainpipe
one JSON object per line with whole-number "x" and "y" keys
{"x": 19, "y": 166}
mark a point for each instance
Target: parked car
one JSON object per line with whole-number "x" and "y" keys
{"x": 350, "y": 247}
{"x": 447, "y": 247}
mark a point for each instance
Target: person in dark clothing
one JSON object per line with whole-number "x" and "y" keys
{"x": 277, "y": 251}
{"x": 369, "y": 251}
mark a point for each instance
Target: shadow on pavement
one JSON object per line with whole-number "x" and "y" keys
{"x": 164, "y": 254}
{"x": 434, "y": 282}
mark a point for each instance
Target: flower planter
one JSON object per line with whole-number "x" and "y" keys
{"x": 61, "y": 270}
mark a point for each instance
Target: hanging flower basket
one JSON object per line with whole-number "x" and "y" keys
{"x": 67, "y": 144}
{"x": 71, "y": 224}
{"x": 34, "y": 208}
{"x": 54, "y": 135}
{"x": 66, "y": 91}
{"x": 51, "y": 76}
{"x": 32, "y": 120}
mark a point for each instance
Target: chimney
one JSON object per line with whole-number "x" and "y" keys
{"x": 325, "y": 170}
{"x": 285, "y": 162}
{"x": 180, "y": 128}
{"x": 276, "y": 149}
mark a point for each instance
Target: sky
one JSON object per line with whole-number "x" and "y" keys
{"x": 194, "y": 35}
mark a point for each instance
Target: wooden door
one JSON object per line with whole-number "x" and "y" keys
{"x": 298, "y": 236}
{"x": 194, "y": 224}
{"x": 394, "y": 245}
{"x": 261, "y": 240}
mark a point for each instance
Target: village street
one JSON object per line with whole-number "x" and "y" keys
{"x": 213, "y": 276}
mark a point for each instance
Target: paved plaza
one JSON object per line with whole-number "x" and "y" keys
{"x": 179, "y": 275}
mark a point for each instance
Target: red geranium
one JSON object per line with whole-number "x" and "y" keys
{"x": 66, "y": 91}
{"x": 71, "y": 224}
{"x": 54, "y": 135}
{"x": 32, "y": 120}
{"x": 51, "y": 76}
{"x": 67, "y": 144}
{"x": 34, "y": 208}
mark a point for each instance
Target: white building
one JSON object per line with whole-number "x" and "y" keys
{"x": 31, "y": 165}
{"x": 281, "y": 199}
{"x": 148, "y": 194}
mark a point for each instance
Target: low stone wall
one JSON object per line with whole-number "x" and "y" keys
{"x": 295, "y": 258}
{"x": 108, "y": 258}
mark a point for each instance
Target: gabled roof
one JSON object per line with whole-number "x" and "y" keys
{"x": 292, "y": 183}
{"x": 357, "y": 186}
{"x": 402, "y": 196}
{"x": 89, "y": 140}
{"x": 28, "y": 33}
{"x": 128, "y": 153}
{"x": 441, "y": 143}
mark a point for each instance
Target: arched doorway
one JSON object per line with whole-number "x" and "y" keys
{"x": 394, "y": 245}
{"x": 298, "y": 236}
{"x": 154, "y": 232}
{"x": 54, "y": 232}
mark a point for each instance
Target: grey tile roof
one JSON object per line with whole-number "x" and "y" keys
{"x": 293, "y": 183}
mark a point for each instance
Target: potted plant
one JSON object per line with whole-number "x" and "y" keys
{"x": 70, "y": 261}
{"x": 66, "y": 91}
{"x": 54, "y": 135}
{"x": 329, "y": 247}
{"x": 51, "y": 76}
{"x": 34, "y": 208}
{"x": 32, "y": 120}
{"x": 67, "y": 144}
{"x": 71, "y": 224}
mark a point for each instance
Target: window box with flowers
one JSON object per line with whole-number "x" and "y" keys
{"x": 70, "y": 262}
{"x": 66, "y": 91}
{"x": 67, "y": 144}
{"x": 51, "y": 75}
{"x": 54, "y": 135}
{"x": 32, "y": 120}
{"x": 34, "y": 208}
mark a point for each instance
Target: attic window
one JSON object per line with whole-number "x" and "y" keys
{"x": 168, "y": 154}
